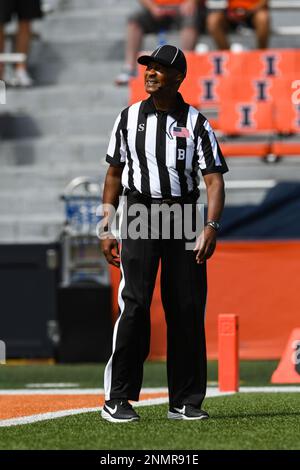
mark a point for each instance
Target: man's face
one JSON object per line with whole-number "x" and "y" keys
{"x": 158, "y": 76}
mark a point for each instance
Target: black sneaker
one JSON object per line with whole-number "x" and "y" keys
{"x": 118, "y": 411}
{"x": 187, "y": 412}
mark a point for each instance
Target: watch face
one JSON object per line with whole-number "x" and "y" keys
{"x": 213, "y": 224}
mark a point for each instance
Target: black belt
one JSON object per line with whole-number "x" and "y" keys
{"x": 189, "y": 197}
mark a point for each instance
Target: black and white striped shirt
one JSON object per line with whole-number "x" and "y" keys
{"x": 162, "y": 152}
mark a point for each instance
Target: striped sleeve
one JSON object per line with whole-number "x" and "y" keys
{"x": 116, "y": 152}
{"x": 210, "y": 157}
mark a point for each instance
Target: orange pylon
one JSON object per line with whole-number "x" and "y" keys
{"x": 228, "y": 351}
{"x": 288, "y": 369}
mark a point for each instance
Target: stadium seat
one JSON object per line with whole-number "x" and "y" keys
{"x": 287, "y": 105}
{"x": 191, "y": 86}
{"x": 136, "y": 87}
{"x": 287, "y": 117}
{"x": 271, "y": 63}
{"x": 241, "y": 148}
{"x": 239, "y": 88}
{"x": 244, "y": 118}
{"x": 247, "y": 94}
{"x": 211, "y": 68}
{"x": 287, "y": 146}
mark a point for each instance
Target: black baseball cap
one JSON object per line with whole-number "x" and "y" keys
{"x": 167, "y": 55}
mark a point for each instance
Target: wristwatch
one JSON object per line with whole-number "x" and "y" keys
{"x": 212, "y": 223}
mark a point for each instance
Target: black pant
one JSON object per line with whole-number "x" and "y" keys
{"x": 183, "y": 292}
{"x": 25, "y": 10}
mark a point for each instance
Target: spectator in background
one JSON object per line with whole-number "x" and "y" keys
{"x": 26, "y": 11}
{"x": 250, "y": 13}
{"x": 160, "y": 15}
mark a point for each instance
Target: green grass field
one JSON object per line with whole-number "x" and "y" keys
{"x": 91, "y": 375}
{"x": 250, "y": 421}
{"x": 240, "y": 421}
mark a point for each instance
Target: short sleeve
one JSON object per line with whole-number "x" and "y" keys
{"x": 210, "y": 157}
{"x": 116, "y": 152}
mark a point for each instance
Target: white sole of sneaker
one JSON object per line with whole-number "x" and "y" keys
{"x": 111, "y": 419}
{"x": 182, "y": 417}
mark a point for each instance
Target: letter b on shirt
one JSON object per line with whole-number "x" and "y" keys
{"x": 180, "y": 154}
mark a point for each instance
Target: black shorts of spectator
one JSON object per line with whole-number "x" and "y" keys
{"x": 25, "y": 12}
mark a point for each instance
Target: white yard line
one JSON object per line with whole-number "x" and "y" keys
{"x": 54, "y": 391}
{"x": 211, "y": 392}
{"x": 52, "y": 385}
{"x": 68, "y": 391}
{"x": 45, "y": 416}
{"x": 63, "y": 413}
{"x": 274, "y": 389}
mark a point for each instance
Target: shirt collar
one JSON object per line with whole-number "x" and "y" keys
{"x": 176, "y": 112}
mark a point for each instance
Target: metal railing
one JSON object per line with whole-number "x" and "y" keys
{"x": 82, "y": 197}
{"x": 82, "y": 260}
{"x": 12, "y": 57}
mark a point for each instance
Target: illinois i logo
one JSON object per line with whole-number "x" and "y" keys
{"x": 270, "y": 65}
{"x": 262, "y": 88}
{"x": 218, "y": 63}
{"x": 246, "y": 116}
{"x": 208, "y": 86}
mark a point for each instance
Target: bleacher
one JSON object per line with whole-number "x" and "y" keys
{"x": 59, "y": 129}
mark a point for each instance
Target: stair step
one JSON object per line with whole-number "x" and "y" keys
{"x": 43, "y": 228}
{"x": 74, "y": 5}
{"x": 33, "y": 202}
{"x": 42, "y": 178}
{"x": 89, "y": 73}
{"x": 59, "y": 124}
{"x": 84, "y": 22}
{"x": 73, "y": 49}
{"x": 49, "y": 151}
{"x": 71, "y": 97}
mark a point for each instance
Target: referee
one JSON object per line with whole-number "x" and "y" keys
{"x": 156, "y": 150}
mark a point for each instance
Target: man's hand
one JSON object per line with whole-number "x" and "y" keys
{"x": 111, "y": 193}
{"x": 110, "y": 249}
{"x": 205, "y": 244}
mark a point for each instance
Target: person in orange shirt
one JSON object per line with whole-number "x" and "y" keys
{"x": 160, "y": 15}
{"x": 250, "y": 13}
